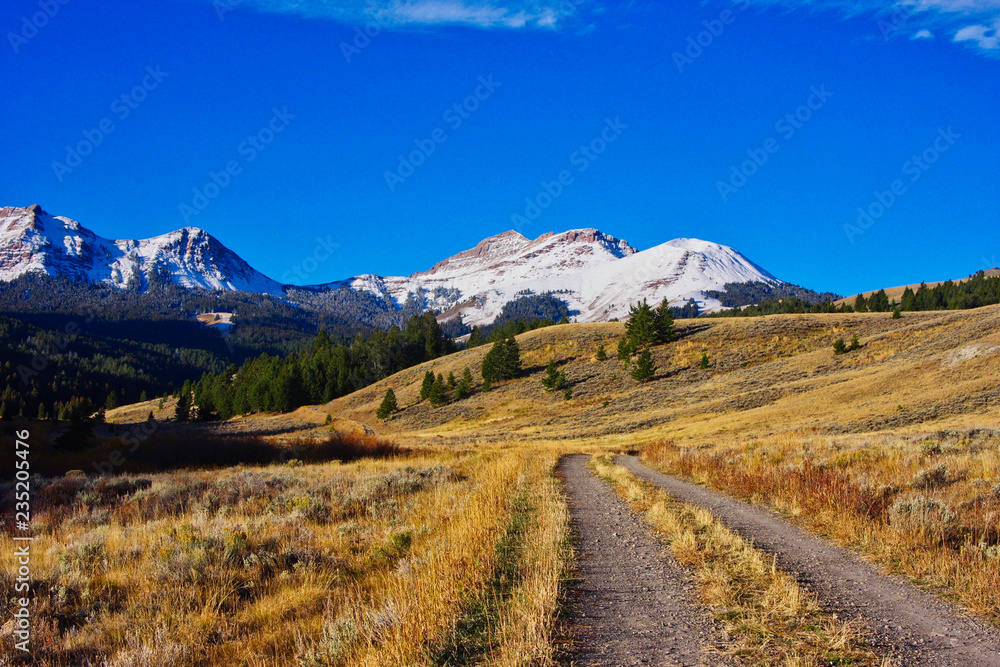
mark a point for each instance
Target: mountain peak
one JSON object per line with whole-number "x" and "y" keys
{"x": 32, "y": 241}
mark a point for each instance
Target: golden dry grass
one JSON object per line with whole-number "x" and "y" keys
{"x": 371, "y": 563}
{"x": 197, "y": 570}
{"x": 925, "y": 507}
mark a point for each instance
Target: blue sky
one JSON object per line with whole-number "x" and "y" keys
{"x": 765, "y": 125}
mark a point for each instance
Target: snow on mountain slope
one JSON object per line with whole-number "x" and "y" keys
{"x": 598, "y": 275}
{"x": 32, "y": 241}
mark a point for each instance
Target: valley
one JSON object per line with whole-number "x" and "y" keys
{"x": 889, "y": 453}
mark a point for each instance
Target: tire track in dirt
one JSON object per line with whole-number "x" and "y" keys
{"x": 915, "y": 628}
{"x": 632, "y": 603}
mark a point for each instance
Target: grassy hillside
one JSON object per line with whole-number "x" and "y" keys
{"x": 926, "y": 371}
{"x": 891, "y": 449}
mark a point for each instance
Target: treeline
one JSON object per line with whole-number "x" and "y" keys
{"x": 323, "y": 371}
{"x": 976, "y": 291}
{"x": 979, "y": 290}
{"x": 60, "y": 370}
{"x": 525, "y": 313}
{"x": 735, "y": 295}
{"x": 788, "y": 306}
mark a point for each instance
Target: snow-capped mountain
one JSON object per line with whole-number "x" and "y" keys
{"x": 597, "y": 275}
{"x": 32, "y": 241}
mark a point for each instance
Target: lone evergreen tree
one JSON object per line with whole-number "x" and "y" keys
{"x": 388, "y": 407}
{"x": 644, "y": 369}
{"x": 897, "y": 313}
{"x": 855, "y": 343}
{"x": 451, "y": 380}
{"x": 704, "y": 361}
{"x": 601, "y": 353}
{"x": 425, "y": 387}
{"x": 112, "y": 401}
{"x": 554, "y": 378}
{"x": 625, "y": 351}
{"x": 464, "y": 387}
{"x": 839, "y": 347}
{"x": 437, "y": 396}
{"x": 503, "y": 361}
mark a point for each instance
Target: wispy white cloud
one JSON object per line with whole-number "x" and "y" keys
{"x": 970, "y": 22}
{"x": 506, "y": 14}
{"x": 985, "y": 37}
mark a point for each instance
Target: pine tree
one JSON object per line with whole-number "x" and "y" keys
{"x": 601, "y": 353}
{"x": 503, "y": 361}
{"x": 437, "y": 394}
{"x": 861, "y": 304}
{"x": 839, "y": 347}
{"x": 475, "y": 338}
{"x": 568, "y": 394}
{"x": 879, "y": 302}
{"x": 640, "y": 328}
{"x": 143, "y": 397}
{"x": 897, "y": 313}
{"x": 112, "y": 401}
{"x": 855, "y": 343}
{"x": 625, "y": 351}
{"x": 451, "y": 380}
{"x": 388, "y": 406}
{"x": 464, "y": 387}
{"x": 182, "y": 412}
{"x": 554, "y": 378}
{"x": 704, "y": 361}
{"x": 663, "y": 323}
{"x": 511, "y": 359}
{"x": 42, "y": 413}
{"x": 487, "y": 385}
{"x": 909, "y": 300}
{"x": 644, "y": 369}
{"x": 425, "y": 387}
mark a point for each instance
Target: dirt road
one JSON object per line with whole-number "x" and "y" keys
{"x": 915, "y": 628}
{"x": 633, "y": 604}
